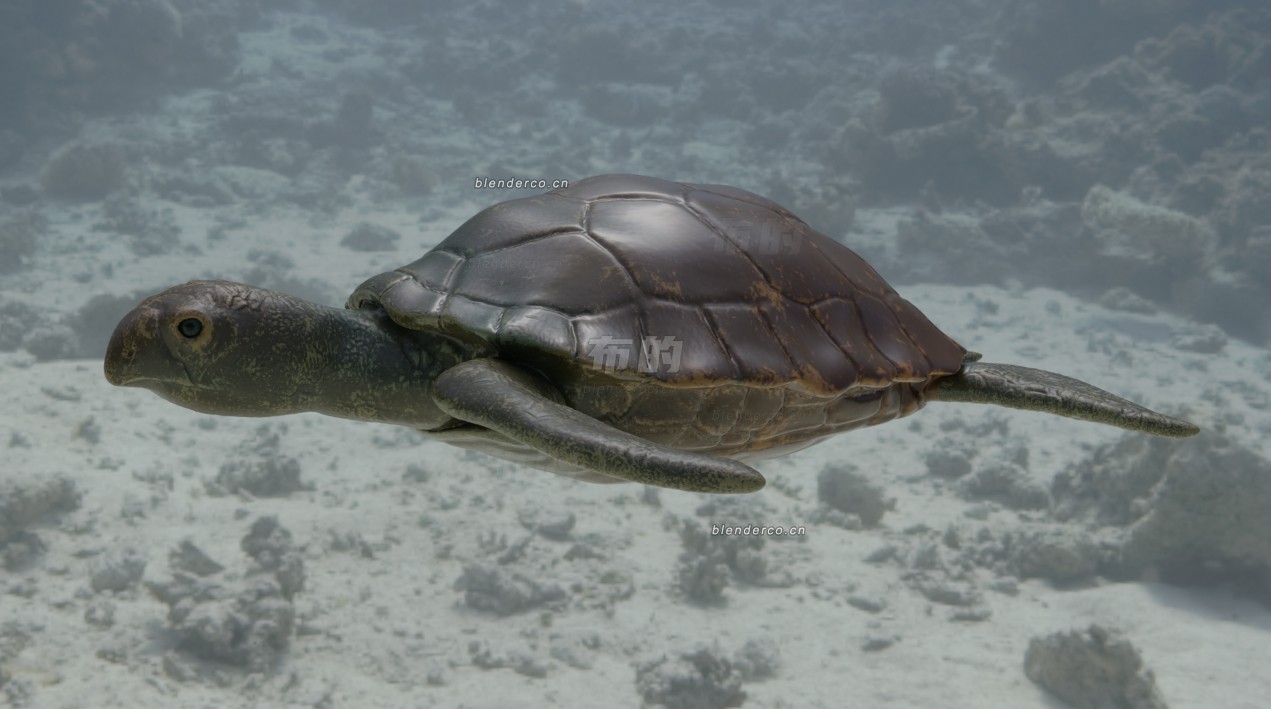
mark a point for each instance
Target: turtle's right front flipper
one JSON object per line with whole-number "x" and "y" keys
{"x": 517, "y": 404}
{"x": 1038, "y": 390}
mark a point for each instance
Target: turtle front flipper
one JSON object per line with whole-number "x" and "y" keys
{"x": 520, "y": 405}
{"x": 1038, "y": 390}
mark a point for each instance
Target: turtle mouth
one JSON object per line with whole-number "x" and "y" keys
{"x": 124, "y": 351}
{"x": 137, "y": 356}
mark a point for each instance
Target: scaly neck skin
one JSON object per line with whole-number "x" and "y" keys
{"x": 230, "y": 349}
{"x": 358, "y": 364}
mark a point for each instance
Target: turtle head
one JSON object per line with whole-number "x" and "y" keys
{"x": 226, "y": 348}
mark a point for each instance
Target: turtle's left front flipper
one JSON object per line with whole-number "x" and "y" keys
{"x": 519, "y": 405}
{"x": 1038, "y": 390}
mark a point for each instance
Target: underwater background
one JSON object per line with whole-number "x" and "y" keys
{"x": 1078, "y": 186}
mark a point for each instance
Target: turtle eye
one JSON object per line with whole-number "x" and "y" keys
{"x": 190, "y": 327}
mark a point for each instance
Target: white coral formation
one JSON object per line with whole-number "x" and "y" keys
{"x": 1093, "y": 669}
{"x": 1133, "y": 229}
{"x": 1207, "y": 515}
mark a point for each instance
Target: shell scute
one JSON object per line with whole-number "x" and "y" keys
{"x": 757, "y": 354}
{"x": 668, "y": 252}
{"x": 502, "y": 277}
{"x": 678, "y": 341}
{"x": 514, "y": 222}
{"x": 842, "y": 320}
{"x": 814, "y": 358}
{"x": 531, "y": 330}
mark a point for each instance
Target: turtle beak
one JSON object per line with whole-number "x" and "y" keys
{"x": 136, "y": 353}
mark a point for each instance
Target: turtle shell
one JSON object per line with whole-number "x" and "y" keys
{"x": 700, "y": 317}
{"x": 647, "y": 280}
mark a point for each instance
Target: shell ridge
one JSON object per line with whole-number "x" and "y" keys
{"x": 632, "y": 285}
{"x": 825, "y": 327}
{"x": 713, "y": 327}
{"x": 575, "y": 323}
{"x": 777, "y": 289}
{"x": 763, "y": 318}
{"x": 556, "y": 231}
{"x": 500, "y": 324}
{"x": 913, "y": 341}
{"x": 720, "y": 233}
{"x": 448, "y": 295}
{"x": 869, "y": 337}
{"x": 834, "y": 265}
{"x": 412, "y": 277}
{"x": 444, "y": 292}
{"x": 699, "y": 311}
{"x": 394, "y": 284}
{"x": 617, "y": 261}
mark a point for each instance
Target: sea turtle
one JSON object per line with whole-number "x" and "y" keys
{"x": 621, "y": 328}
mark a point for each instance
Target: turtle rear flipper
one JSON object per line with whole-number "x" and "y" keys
{"x": 519, "y": 405}
{"x": 1038, "y": 390}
